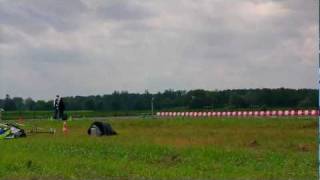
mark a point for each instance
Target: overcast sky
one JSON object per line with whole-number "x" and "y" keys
{"x": 74, "y": 47}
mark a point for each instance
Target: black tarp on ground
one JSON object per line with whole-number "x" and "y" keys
{"x": 100, "y": 129}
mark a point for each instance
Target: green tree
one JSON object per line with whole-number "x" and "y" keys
{"x": 9, "y": 104}
{"x": 30, "y": 104}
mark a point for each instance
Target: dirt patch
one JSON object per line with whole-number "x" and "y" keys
{"x": 303, "y": 147}
{"x": 253, "y": 143}
{"x": 311, "y": 125}
{"x": 171, "y": 159}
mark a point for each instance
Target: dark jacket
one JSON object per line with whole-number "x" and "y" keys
{"x": 61, "y": 105}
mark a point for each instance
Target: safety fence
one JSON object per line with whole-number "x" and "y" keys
{"x": 310, "y": 112}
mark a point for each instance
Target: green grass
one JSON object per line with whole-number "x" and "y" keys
{"x": 14, "y": 115}
{"x": 244, "y": 148}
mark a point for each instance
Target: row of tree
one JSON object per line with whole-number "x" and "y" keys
{"x": 177, "y": 100}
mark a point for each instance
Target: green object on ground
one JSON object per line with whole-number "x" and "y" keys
{"x": 5, "y": 134}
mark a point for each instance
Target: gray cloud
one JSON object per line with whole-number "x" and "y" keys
{"x": 123, "y": 11}
{"x": 36, "y": 16}
{"x": 94, "y": 47}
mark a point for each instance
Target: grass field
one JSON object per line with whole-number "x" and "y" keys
{"x": 244, "y": 148}
{"x": 13, "y": 115}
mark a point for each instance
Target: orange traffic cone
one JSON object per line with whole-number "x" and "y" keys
{"x": 65, "y": 128}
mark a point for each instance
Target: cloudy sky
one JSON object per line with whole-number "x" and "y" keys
{"x": 75, "y": 47}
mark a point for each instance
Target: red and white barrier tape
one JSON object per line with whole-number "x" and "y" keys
{"x": 310, "y": 112}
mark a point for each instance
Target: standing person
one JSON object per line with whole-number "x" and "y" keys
{"x": 61, "y": 109}
{"x": 56, "y": 107}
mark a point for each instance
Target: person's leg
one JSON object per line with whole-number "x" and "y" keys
{"x": 59, "y": 114}
{"x": 55, "y": 115}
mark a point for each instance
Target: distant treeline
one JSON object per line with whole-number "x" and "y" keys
{"x": 177, "y": 100}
